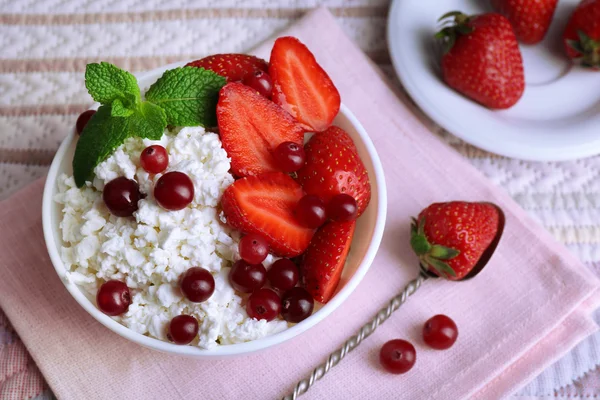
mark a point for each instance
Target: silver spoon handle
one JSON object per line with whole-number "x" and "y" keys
{"x": 352, "y": 343}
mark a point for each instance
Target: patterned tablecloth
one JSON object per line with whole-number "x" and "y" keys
{"x": 45, "y": 45}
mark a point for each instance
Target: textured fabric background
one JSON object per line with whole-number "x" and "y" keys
{"x": 45, "y": 45}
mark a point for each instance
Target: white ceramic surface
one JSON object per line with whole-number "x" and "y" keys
{"x": 366, "y": 241}
{"x": 558, "y": 117}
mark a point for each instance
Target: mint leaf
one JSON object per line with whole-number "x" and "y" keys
{"x": 149, "y": 121}
{"x": 106, "y": 82}
{"x": 105, "y": 132}
{"x": 188, "y": 95}
{"x": 119, "y": 110}
{"x": 102, "y": 134}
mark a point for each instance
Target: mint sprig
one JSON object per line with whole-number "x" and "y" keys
{"x": 188, "y": 95}
{"x": 181, "y": 97}
{"x": 107, "y": 83}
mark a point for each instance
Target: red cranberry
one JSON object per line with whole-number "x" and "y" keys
{"x": 246, "y": 278}
{"x": 174, "y": 191}
{"x": 342, "y": 207}
{"x": 154, "y": 159}
{"x": 310, "y": 211}
{"x": 440, "y": 332}
{"x": 398, "y": 356}
{"x": 289, "y": 156}
{"x": 113, "y": 298}
{"x": 263, "y": 304}
{"x": 121, "y": 196}
{"x": 296, "y": 305}
{"x": 182, "y": 329}
{"x": 283, "y": 274}
{"x": 259, "y": 81}
{"x": 83, "y": 119}
{"x": 254, "y": 248}
{"x": 197, "y": 284}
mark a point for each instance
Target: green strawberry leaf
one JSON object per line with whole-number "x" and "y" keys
{"x": 440, "y": 266}
{"x": 106, "y": 83}
{"x": 188, "y": 95}
{"x": 442, "y": 252}
{"x": 105, "y": 132}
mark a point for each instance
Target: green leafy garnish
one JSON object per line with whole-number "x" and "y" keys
{"x": 181, "y": 97}
{"x": 119, "y": 109}
{"x": 104, "y": 133}
{"x": 106, "y": 83}
{"x": 188, "y": 95}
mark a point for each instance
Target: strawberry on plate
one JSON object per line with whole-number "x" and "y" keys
{"x": 234, "y": 67}
{"x": 324, "y": 260}
{"x": 582, "y": 35}
{"x": 482, "y": 59}
{"x": 333, "y": 167}
{"x": 457, "y": 238}
{"x": 301, "y": 86}
{"x": 265, "y": 205}
{"x": 251, "y": 128}
{"x": 529, "y": 19}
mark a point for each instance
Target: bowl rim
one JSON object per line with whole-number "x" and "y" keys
{"x": 227, "y": 350}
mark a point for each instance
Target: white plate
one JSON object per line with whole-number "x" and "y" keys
{"x": 558, "y": 117}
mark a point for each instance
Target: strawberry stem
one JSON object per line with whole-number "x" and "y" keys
{"x": 431, "y": 257}
{"x": 458, "y": 26}
{"x": 588, "y": 48}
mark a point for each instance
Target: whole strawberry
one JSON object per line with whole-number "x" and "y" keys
{"x": 451, "y": 239}
{"x": 530, "y": 19}
{"x": 482, "y": 59}
{"x": 234, "y": 67}
{"x": 582, "y": 35}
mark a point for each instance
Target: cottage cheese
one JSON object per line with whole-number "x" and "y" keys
{"x": 151, "y": 250}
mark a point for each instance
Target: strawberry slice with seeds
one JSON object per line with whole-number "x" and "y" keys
{"x": 234, "y": 67}
{"x": 301, "y": 86}
{"x": 333, "y": 167}
{"x": 251, "y": 128}
{"x": 265, "y": 205}
{"x": 324, "y": 260}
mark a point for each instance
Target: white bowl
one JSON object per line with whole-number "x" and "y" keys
{"x": 369, "y": 230}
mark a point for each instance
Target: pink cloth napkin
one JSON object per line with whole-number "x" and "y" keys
{"x": 530, "y": 305}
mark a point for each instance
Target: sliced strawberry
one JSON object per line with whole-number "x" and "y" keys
{"x": 301, "y": 86}
{"x": 234, "y": 67}
{"x": 324, "y": 260}
{"x": 333, "y": 167}
{"x": 265, "y": 205}
{"x": 251, "y": 128}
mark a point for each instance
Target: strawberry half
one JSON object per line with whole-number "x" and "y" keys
{"x": 234, "y": 67}
{"x": 301, "y": 86}
{"x": 265, "y": 205}
{"x": 452, "y": 239}
{"x": 333, "y": 167}
{"x": 251, "y": 128}
{"x": 324, "y": 260}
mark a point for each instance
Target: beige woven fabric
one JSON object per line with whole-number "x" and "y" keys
{"x": 45, "y": 45}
